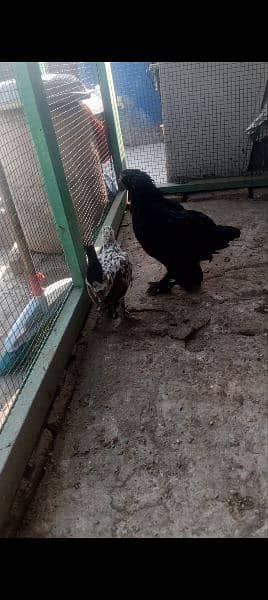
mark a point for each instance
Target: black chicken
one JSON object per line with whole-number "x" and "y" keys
{"x": 177, "y": 238}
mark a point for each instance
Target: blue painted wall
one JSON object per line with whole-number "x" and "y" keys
{"x": 134, "y": 86}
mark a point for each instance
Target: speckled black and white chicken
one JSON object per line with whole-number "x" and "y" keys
{"x": 109, "y": 275}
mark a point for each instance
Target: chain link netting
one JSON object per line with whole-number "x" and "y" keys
{"x": 191, "y": 120}
{"x": 140, "y": 112}
{"x": 77, "y": 113}
{"x": 180, "y": 121}
{"x": 34, "y": 278}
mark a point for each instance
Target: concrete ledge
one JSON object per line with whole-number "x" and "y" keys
{"x": 25, "y": 420}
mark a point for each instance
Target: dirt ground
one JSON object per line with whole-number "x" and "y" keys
{"x": 166, "y": 433}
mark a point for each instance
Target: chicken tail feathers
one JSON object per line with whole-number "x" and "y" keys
{"x": 94, "y": 268}
{"x": 228, "y": 233}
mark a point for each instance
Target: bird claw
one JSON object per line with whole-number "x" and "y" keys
{"x": 156, "y": 288}
{"x": 124, "y": 318}
{"x": 130, "y": 317}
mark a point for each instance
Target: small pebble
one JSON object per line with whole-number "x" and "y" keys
{"x": 211, "y": 422}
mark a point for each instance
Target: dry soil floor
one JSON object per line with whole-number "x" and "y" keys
{"x": 166, "y": 434}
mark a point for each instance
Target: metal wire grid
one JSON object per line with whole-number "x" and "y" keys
{"x": 206, "y": 109}
{"x": 140, "y": 112}
{"x": 20, "y": 167}
{"x": 77, "y": 115}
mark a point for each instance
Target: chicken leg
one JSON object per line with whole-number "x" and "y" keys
{"x": 161, "y": 287}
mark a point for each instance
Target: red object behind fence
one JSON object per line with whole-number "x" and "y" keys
{"x": 99, "y": 131}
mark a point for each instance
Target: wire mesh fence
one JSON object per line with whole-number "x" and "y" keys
{"x": 77, "y": 113}
{"x": 140, "y": 112}
{"x": 179, "y": 121}
{"x": 27, "y": 243}
{"x": 184, "y": 121}
{"x": 34, "y": 278}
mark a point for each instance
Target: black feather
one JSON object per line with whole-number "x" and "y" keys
{"x": 94, "y": 268}
{"x": 176, "y": 237}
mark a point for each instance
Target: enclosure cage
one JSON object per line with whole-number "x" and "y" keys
{"x": 54, "y": 150}
{"x": 67, "y": 131}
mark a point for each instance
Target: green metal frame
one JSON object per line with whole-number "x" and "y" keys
{"x": 21, "y": 429}
{"x": 36, "y": 110}
{"x": 112, "y": 120}
{"x": 24, "y": 422}
{"x": 213, "y": 185}
{"x": 118, "y": 153}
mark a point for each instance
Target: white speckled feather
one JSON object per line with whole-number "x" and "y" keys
{"x": 115, "y": 265}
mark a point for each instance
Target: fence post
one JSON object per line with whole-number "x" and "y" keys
{"x": 111, "y": 117}
{"x": 36, "y": 110}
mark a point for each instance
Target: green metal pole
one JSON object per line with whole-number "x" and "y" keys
{"x": 115, "y": 138}
{"x": 36, "y": 110}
